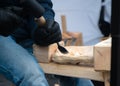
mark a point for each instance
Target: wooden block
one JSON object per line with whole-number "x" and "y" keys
{"x": 44, "y": 54}
{"x": 78, "y": 55}
{"x": 102, "y": 55}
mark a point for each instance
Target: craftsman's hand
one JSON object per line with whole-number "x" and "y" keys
{"x": 47, "y": 34}
{"x": 9, "y": 21}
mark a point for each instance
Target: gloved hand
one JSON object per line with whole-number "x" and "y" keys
{"x": 47, "y": 34}
{"x": 9, "y": 21}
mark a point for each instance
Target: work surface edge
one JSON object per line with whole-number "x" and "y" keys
{"x": 72, "y": 71}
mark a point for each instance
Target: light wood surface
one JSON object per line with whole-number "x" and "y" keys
{"x": 106, "y": 75}
{"x": 44, "y": 54}
{"x": 72, "y": 71}
{"x": 79, "y": 55}
{"x": 64, "y": 25}
{"x": 102, "y": 55}
{"x": 99, "y": 72}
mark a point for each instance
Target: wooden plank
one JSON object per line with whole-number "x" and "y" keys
{"x": 72, "y": 71}
{"x": 63, "y": 20}
{"x": 79, "y": 40}
{"x": 106, "y": 78}
{"x": 102, "y": 55}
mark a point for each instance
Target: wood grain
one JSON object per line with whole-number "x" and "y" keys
{"x": 102, "y": 55}
{"x": 72, "y": 71}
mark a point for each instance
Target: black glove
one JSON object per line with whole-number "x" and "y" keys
{"x": 47, "y": 34}
{"x": 9, "y": 21}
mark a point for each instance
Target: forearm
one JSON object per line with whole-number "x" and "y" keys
{"x": 9, "y": 21}
{"x": 33, "y": 7}
{"x": 49, "y": 12}
{"x": 39, "y": 8}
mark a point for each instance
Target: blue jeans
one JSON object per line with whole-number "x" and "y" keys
{"x": 70, "y": 81}
{"x": 19, "y": 66}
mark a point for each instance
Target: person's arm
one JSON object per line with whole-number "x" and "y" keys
{"x": 9, "y": 21}
{"x": 38, "y": 8}
{"x": 47, "y": 4}
{"x": 50, "y": 32}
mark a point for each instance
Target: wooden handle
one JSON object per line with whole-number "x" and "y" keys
{"x": 40, "y": 21}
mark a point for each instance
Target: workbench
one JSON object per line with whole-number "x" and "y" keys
{"x": 99, "y": 72}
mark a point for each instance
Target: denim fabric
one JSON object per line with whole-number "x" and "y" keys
{"x": 71, "y": 81}
{"x": 18, "y": 65}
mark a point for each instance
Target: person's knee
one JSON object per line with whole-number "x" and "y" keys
{"x": 33, "y": 79}
{"x": 32, "y": 76}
